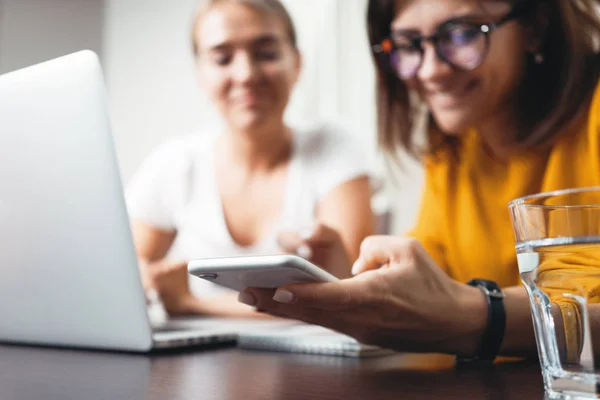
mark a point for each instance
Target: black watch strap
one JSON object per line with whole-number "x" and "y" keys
{"x": 496, "y": 324}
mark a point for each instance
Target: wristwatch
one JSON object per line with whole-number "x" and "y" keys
{"x": 496, "y": 323}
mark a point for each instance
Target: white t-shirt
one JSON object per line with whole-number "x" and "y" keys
{"x": 175, "y": 188}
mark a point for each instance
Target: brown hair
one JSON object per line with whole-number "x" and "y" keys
{"x": 553, "y": 94}
{"x": 273, "y": 7}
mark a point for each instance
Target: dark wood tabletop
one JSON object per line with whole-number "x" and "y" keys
{"x": 31, "y": 373}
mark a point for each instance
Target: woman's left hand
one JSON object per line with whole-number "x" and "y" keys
{"x": 401, "y": 300}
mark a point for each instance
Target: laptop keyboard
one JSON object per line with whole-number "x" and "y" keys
{"x": 190, "y": 338}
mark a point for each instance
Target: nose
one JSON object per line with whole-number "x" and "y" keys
{"x": 244, "y": 69}
{"x": 432, "y": 67}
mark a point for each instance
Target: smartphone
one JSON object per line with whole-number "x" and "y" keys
{"x": 269, "y": 271}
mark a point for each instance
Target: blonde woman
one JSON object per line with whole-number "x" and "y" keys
{"x": 238, "y": 191}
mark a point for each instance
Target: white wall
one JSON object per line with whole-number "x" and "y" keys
{"x": 32, "y": 31}
{"x": 150, "y": 75}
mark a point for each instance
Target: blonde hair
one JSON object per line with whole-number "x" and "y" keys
{"x": 270, "y": 7}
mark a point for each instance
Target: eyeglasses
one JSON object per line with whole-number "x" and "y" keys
{"x": 459, "y": 43}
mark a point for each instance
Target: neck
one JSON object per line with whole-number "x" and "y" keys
{"x": 258, "y": 149}
{"x": 498, "y": 134}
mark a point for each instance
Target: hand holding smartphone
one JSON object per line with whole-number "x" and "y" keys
{"x": 269, "y": 271}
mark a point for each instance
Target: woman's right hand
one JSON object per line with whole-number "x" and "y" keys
{"x": 170, "y": 280}
{"x": 322, "y": 246}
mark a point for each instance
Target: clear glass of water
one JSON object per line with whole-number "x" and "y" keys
{"x": 558, "y": 250}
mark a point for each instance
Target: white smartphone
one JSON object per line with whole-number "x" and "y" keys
{"x": 269, "y": 271}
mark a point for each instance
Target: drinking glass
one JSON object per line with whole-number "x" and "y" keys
{"x": 558, "y": 251}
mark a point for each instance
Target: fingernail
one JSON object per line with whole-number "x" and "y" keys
{"x": 304, "y": 251}
{"x": 356, "y": 266}
{"x": 284, "y": 296}
{"x": 247, "y": 298}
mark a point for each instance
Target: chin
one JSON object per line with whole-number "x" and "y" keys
{"x": 452, "y": 124}
{"x": 250, "y": 122}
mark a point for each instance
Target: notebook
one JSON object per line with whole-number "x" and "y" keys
{"x": 311, "y": 339}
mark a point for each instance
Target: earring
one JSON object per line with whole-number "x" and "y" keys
{"x": 538, "y": 58}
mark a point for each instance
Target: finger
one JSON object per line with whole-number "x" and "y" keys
{"x": 152, "y": 296}
{"x": 378, "y": 251}
{"x": 148, "y": 281}
{"x": 293, "y": 242}
{"x": 322, "y": 234}
{"x": 339, "y": 320}
{"x": 374, "y": 252}
{"x": 319, "y": 236}
{"x": 325, "y": 296}
{"x": 262, "y": 299}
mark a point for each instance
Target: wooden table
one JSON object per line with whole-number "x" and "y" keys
{"x": 30, "y": 373}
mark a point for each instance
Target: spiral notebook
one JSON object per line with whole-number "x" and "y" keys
{"x": 311, "y": 339}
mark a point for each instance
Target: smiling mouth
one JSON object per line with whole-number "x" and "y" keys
{"x": 452, "y": 98}
{"x": 251, "y": 100}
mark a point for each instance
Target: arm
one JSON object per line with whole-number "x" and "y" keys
{"x": 344, "y": 219}
{"x": 151, "y": 243}
{"x": 343, "y": 216}
{"x": 347, "y": 210}
{"x": 519, "y": 339}
{"x": 170, "y": 278}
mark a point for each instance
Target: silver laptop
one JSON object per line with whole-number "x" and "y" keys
{"x": 68, "y": 268}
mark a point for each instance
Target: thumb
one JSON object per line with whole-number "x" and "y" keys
{"x": 371, "y": 261}
{"x": 379, "y": 251}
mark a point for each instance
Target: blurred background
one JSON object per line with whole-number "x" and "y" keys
{"x": 145, "y": 49}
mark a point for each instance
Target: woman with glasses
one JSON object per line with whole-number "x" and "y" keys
{"x": 509, "y": 89}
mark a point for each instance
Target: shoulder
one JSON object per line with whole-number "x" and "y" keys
{"x": 582, "y": 134}
{"x": 162, "y": 183}
{"x": 170, "y": 162}
{"x": 177, "y": 154}
{"x": 181, "y": 149}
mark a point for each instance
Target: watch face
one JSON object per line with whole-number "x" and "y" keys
{"x": 490, "y": 285}
{"x": 491, "y": 288}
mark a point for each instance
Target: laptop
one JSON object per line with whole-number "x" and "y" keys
{"x": 68, "y": 267}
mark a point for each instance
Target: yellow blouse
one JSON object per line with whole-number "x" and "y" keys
{"x": 464, "y": 221}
